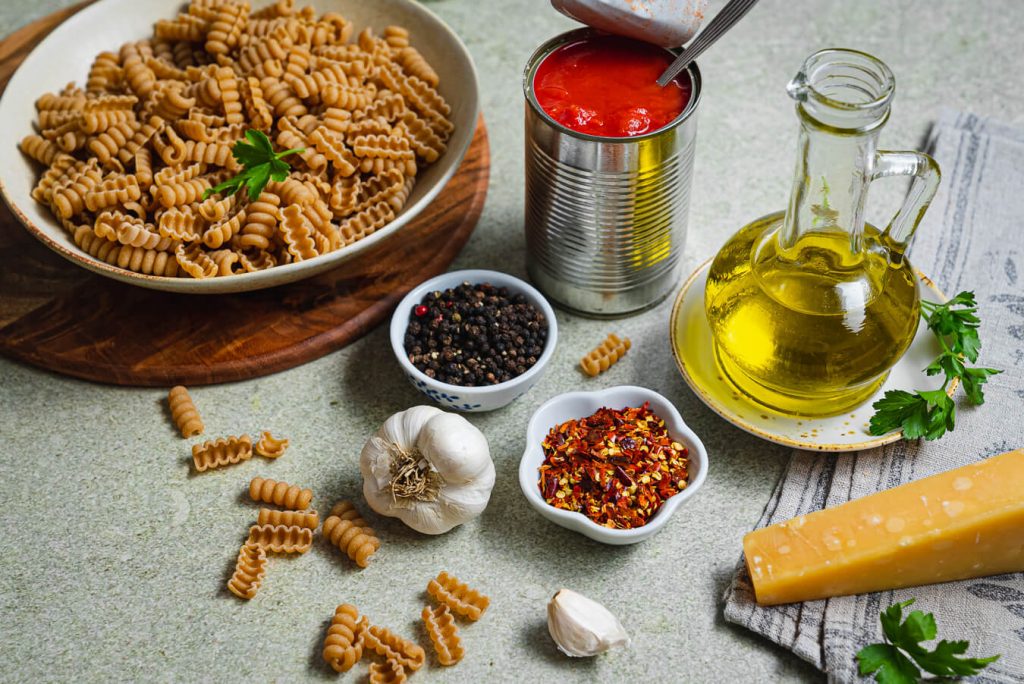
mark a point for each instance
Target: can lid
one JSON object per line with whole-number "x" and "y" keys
{"x": 668, "y": 23}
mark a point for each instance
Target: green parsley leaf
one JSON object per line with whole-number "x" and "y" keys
{"x": 973, "y": 379}
{"x": 902, "y": 657}
{"x": 888, "y": 665}
{"x": 256, "y": 154}
{"x": 931, "y": 414}
{"x": 899, "y": 408}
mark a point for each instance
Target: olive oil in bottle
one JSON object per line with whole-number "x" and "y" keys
{"x": 809, "y": 308}
{"x": 813, "y": 329}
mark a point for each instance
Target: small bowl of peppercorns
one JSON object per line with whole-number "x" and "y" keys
{"x": 474, "y": 340}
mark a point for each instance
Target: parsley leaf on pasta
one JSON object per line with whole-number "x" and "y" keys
{"x": 260, "y": 162}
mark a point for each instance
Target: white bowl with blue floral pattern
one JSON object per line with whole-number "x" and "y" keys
{"x": 486, "y": 397}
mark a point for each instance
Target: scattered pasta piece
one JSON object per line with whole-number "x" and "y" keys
{"x": 184, "y": 412}
{"x": 459, "y": 597}
{"x": 280, "y": 494}
{"x": 390, "y": 646}
{"x": 349, "y": 532}
{"x": 282, "y": 538}
{"x": 605, "y": 355}
{"x": 388, "y": 672}
{"x": 269, "y": 446}
{"x": 343, "y": 646}
{"x": 249, "y": 571}
{"x": 307, "y": 519}
{"x": 217, "y": 453}
{"x": 440, "y": 625}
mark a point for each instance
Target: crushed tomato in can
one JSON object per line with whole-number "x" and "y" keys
{"x": 615, "y": 467}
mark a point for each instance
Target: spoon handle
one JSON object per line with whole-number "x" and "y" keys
{"x": 722, "y": 22}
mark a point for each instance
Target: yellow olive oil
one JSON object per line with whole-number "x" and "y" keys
{"x": 812, "y": 328}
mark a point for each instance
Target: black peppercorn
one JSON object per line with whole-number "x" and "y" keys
{"x": 475, "y": 335}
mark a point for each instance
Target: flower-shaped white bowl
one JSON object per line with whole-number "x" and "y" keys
{"x": 65, "y": 55}
{"x": 472, "y": 399}
{"x": 574, "y": 405}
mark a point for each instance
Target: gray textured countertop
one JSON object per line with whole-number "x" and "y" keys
{"x": 113, "y": 558}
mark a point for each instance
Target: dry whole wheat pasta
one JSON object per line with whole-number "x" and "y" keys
{"x": 280, "y": 494}
{"x": 184, "y": 412}
{"x": 250, "y": 569}
{"x": 153, "y": 129}
{"x": 343, "y": 646}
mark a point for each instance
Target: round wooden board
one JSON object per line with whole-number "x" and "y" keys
{"x": 63, "y": 318}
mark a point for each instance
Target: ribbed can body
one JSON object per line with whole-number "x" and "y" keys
{"x": 606, "y": 217}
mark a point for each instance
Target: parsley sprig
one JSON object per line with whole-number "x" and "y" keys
{"x": 902, "y": 657}
{"x": 261, "y": 165}
{"x": 930, "y": 414}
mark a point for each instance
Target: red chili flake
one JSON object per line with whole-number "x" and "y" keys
{"x": 615, "y": 467}
{"x": 420, "y": 310}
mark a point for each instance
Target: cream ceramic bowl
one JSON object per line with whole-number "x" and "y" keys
{"x": 574, "y": 405}
{"x": 472, "y": 399}
{"x": 65, "y": 55}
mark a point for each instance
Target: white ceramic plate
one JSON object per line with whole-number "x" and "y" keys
{"x": 692, "y": 348}
{"x": 573, "y": 405}
{"x": 65, "y": 55}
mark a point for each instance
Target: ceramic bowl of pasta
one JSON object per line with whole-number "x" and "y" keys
{"x": 123, "y": 122}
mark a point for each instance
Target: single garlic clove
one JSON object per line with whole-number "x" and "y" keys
{"x": 582, "y": 627}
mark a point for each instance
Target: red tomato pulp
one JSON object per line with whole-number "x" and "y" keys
{"x": 607, "y": 86}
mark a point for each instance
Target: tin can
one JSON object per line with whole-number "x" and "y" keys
{"x": 606, "y": 217}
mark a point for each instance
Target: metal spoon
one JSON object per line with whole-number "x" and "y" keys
{"x": 722, "y": 22}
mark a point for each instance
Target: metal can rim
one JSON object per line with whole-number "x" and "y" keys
{"x": 550, "y": 45}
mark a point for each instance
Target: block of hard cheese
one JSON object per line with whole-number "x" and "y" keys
{"x": 963, "y": 523}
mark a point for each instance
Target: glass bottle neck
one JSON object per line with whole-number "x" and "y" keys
{"x": 830, "y": 182}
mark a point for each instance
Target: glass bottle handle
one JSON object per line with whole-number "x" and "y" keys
{"x": 926, "y": 176}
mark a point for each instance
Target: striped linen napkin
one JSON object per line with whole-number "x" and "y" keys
{"x": 971, "y": 239}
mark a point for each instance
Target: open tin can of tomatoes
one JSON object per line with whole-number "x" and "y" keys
{"x": 606, "y": 198}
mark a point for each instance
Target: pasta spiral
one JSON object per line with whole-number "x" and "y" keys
{"x": 184, "y": 412}
{"x": 282, "y": 538}
{"x": 390, "y": 646}
{"x": 250, "y": 569}
{"x": 444, "y": 634}
{"x": 349, "y": 532}
{"x": 307, "y": 519}
{"x": 217, "y": 453}
{"x": 343, "y": 646}
{"x": 270, "y": 447}
{"x": 459, "y": 597}
{"x": 280, "y": 494}
{"x": 388, "y": 672}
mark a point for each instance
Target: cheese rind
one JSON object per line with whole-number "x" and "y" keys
{"x": 967, "y": 522}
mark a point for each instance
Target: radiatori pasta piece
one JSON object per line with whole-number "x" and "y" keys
{"x": 307, "y": 519}
{"x": 217, "y": 453}
{"x": 459, "y": 597}
{"x": 349, "y": 532}
{"x": 269, "y": 446}
{"x": 343, "y": 646}
{"x": 390, "y": 646}
{"x": 282, "y": 538}
{"x": 280, "y": 494}
{"x": 296, "y": 232}
{"x": 444, "y": 634}
{"x": 184, "y": 412}
{"x": 388, "y": 672}
{"x": 154, "y": 126}
{"x": 250, "y": 569}
{"x": 605, "y": 355}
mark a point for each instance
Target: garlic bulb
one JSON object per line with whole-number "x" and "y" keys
{"x": 583, "y": 627}
{"x": 430, "y": 469}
